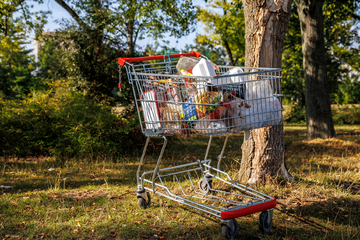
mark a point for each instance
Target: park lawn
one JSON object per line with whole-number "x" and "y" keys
{"x": 97, "y": 200}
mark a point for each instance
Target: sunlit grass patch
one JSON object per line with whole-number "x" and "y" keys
{"x": 97, "y": 200}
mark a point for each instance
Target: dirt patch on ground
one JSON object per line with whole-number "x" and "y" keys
{"x": 82, "y": 195}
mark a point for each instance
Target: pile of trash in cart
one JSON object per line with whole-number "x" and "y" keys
{"x": 197, "y": 96}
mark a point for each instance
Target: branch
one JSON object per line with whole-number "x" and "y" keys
{"x": 237, "y": 58}
{"x": 74, "y": 15}
{"x": 18, "y": 3}
{"x": 228, "y": 51}
{"x": 137, "y": 32}
{"x": 23, "y": 10}
{"x": 11, "y": 10}
{"x": 122, "y": 32}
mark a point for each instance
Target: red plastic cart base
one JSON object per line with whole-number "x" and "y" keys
{"x": 248, "y": 210}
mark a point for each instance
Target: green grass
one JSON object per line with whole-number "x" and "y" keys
{"x": 97, "y": 200}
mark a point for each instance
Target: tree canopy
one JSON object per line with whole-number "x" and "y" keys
{"x": 83, "y": 49}
{"x": 225, "y": 26}
{"x": 341, "y": 33}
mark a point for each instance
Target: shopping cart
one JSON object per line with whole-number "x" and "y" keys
{"x": 171, "y": 101}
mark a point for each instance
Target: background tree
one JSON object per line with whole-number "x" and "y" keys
{"x": 16, "y": 63}
{"x": 342, "y": 48}
{"x": 7, "y": 9}
{"x": 265, "y": 28}
{"x": 101, "y": 31}
{"x": 131, "y": 20}
{"x": 317, "y": 98}
{"x": 19, "y": 9}
{"x": 215, "y": 53}
{"x": 226, "y": 29}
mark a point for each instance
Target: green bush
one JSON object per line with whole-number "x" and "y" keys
{"x": 64, "y": 123}
{"x": 297, "y": 114}
{"x": 346, "y": 115}
{"x": 341, "y": 115}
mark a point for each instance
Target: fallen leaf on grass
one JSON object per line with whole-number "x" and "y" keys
{"x": 162, "y": 238}
{"x": 137, "y": 222}
{"x": 153, "y": 225}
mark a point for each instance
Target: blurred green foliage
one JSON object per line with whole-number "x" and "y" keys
{"x": 63, "y": 108}
{"x": 342, "y": 41}
{"x": 224, "y": 26}
{"x": 213, "y": 52}
{"x": 65, "y": 123}
{"x": 346, "y": 115}
{"x": 341, "y": 114}
{"x": 297, "y": 114}
{"x": 17, "y": 63}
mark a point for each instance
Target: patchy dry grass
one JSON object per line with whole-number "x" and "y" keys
{"x": 98, "y": 201}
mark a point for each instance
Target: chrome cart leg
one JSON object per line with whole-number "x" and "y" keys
{"x": 205, "y": 183}
{"x": 207, "y": 170}
{"x": 143, "y": 197}
{"x": 140, "y": 183}
{"x": 271, "y": 212}
{"x": 222, "y": 153}
{"x": 157, "y": 164}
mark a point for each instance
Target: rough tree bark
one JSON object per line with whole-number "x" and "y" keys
{"x": 317, "y": 99}
{"x": 265, "y": 27}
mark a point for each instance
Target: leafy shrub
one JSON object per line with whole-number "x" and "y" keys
{"x": 346, "y": 115}
{"x": 297, "y": 114}
{"x": 66, "y": 124}
{"x": 341, "y": 115}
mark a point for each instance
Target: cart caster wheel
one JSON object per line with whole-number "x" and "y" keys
{"x": 264, "y": 226}
{"x": 230, "y": 230}
{"x": 142, "y": 202}
{"x": 204, "y": 187}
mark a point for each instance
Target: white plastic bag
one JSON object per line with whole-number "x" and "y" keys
{"x": 217, "y": 127}
{"x": 262, "y": 108}
{"x": 231, "y": 79}
{"x": 265, "y": 107}
{"x": 203, "y": 68}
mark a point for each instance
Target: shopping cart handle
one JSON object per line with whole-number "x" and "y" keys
{"x": 248, "y": 210}
{"x": 122, "y": 61}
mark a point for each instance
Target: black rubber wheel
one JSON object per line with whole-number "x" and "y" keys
{"x": 263, "y": 222}
{"x": 204, "y": 187}
{"x": 142, "y": 202}
{"x": 229, "y": 232}
{"x": 149, "y": 198}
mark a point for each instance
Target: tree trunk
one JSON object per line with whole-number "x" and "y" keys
{"x": 229, "y": 53}
{"x": 130, "y": 35}
{"x": 225, "y": 42}
{"x": 265, "y": 27}
{"x": 317, "y": 99}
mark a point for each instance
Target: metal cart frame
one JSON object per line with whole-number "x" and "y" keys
{"x": 207, "y": 196}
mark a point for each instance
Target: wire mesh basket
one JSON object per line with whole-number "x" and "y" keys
{"x": 170, "y": 101}
{"x": 205, "y": 100}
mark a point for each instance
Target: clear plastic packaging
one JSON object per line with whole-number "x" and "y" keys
{"x": 186, "y": 63}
